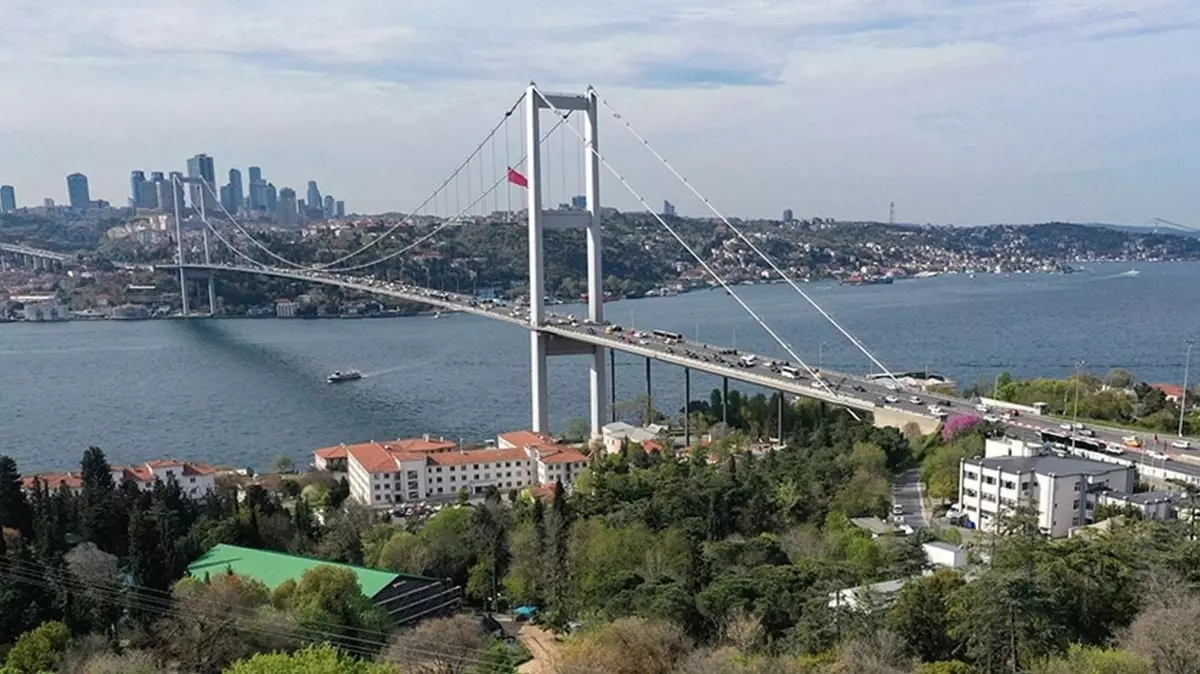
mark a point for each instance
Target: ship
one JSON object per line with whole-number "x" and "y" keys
{"x": 865, "y": 280}
{"x": 339, "y": 376}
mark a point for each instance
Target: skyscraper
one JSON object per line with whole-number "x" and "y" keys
{"x": 668, "y": 208}
{"x": 328, "y": 205}
{"x": 148, "y": 194}
{"x": 272, "y": 198}
{"x": 314, "y": 195}
{"x": 8, "y": 199}
{"x": 787, "y": 215}
{"x": 77, "y": 191}
{"x": 136, "y": 179}
{"x": 201, "y": 166}
{"x": 236, "y": 195}
{"x": 257, "y": 190}
{"x": 227, "y": 198}
{"x": 286, "y": 215}
{"x": 156, "y": 176}
{"x": 339, "y": 209}
{"x": 165, "y": 196}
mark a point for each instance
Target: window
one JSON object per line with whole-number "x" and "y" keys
{"x": 1024, "y": 486}
{"x": 439, "y": 480}
{"x": 438, "y": 469}
{"x": 378, "y": 497}
{"x": 972, "y": 476}
{"x": 1077, "y": 486}
{"x": 1009, "y": 484}
{"x": 988, "y": 479}
{"x": 376, "y": 487}
{"x": 387, "y": 476}
{"x": 1075, "y": 505}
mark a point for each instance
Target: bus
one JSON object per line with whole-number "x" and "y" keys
{"x": 663, "y": 334}
{"x": 789, "y": 372}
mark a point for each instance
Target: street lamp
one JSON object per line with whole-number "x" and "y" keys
{"x": 1187, "y": 360}
{"x": 734, "y": 344}
{"x": 1078, "y": 371}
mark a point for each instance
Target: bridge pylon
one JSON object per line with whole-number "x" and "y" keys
{"x": 541, "y": 345}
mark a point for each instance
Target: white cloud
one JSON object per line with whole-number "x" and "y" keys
{"x": 959, "y": 111}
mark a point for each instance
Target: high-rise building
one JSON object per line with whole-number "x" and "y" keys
{"x": 201, "y": 166}
{"x": 313, "y": 197}
{"x": 257, "y": 190}
{"x": 176, "y": 181}
{"x": 148, "y": 194}
{"x": 77, "y": 191}
{"x": 227, "y": 198}
{"x": 286, "y": 214}
{"x": 136, "y": 179}
{"x": 236, "y": 195}
{"x": 787, "y": 215}
{"x": 272, "y": 198}
{"x": 164, "y": 196}
{"x": 156, "y": 176}
{"x": 8, "y": 199}
{"x": 339, "y": 209}
{"x": 668, "y": 208}
{"x": 47, "y": 203}
{"x": 329, "y": 205}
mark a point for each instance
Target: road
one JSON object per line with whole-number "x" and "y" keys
{"x": 838, "y": 388}
{"x": 906, "y": 492}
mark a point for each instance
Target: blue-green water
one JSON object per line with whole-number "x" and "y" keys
{"x": 241, "y": 391}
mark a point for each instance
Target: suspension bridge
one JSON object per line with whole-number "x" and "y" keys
{"x": 465, "y": 195}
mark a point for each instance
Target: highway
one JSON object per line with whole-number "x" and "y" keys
{"x": 851, "y": 391}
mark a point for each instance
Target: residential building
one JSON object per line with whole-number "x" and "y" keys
{"x": 1063, "y": 491}
{"x": 77, "y": 191}
{"x": 50, "y": 310}
{"x": 286, "y": 213}
{"x": 787, "y": 215}
{"x": 8, "y": 199}
{"x": 383, "y": 474}
{"x": 339, "y": 209}
{"x": 195, "y": 479}
{"x": 1153, "y": 505}
{"x": 406, "y": 598}
{"x": 618, "y": 433}
{"x": 330, "y": 458}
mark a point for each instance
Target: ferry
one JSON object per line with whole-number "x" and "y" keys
{"x": 339, "y": 376}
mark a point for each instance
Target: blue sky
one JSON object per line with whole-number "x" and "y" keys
{"x": 960, "y": 111}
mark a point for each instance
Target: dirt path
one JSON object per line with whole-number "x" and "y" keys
{"x": 542, "y": 646}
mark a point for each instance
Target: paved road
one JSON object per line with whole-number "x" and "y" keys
{"x": 906, "y": 492}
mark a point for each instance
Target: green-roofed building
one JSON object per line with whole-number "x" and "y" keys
{"x": 406, "y": 598}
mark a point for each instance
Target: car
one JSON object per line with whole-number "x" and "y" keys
{"x": 898, "y": 519}
{"x": 915, "y": 400}
{"x": 897, "y": 509}
{"x": 1066, "y": 427}
{"x": 1158, "y": 456}
{"x": 1181, "y": 444}
{"x": 991, "y": 418}
{"x": 891, "y": 399}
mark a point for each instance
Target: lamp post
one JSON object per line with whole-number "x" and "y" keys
{"x": 734, "y": 344}
{"x": 1187, "y": 361}
{"x": 1078, "y": 372}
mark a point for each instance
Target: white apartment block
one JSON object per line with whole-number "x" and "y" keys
{"x": 195, "y": 479}
{"x": 383, "y": 474}
{"x": 1063, "y": 490}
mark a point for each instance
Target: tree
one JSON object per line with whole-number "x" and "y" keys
{"x": 452, "y": 645}
{"x": 339, "y": 494}
{"x": 130, "y": 662}
{"x": 577, "y": 430}
{"x": 329, "y": 599}
{"x": 98, "y": 572}
{"x": 14, "y": 508}
{"x": 284, "y": 464}
{"x": 1164, "y": 634}
{"x": 626, "y": 646}
{"x": 1093, "y": 660}
{"x": 99, "y": 519}
{"x": 317, "y": 659}
{"x": 39, "y": 649}
{"x": 317, "y": 495}
{"x": 1118, "y": 378}
{"x": 920, "y": 615}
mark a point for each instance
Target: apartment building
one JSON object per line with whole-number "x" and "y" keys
{"x": 195, "y": 479}
{"x": 383, "y": 474}
{"x": 1063, "y": 490}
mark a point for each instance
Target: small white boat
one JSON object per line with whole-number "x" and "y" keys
{"x": 339, "y": 376}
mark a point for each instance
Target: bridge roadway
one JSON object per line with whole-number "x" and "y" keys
{"x": 35, "y": 252}
{"x": 852, "y": 391}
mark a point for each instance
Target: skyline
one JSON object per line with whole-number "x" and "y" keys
{"x": 959, "y": 113}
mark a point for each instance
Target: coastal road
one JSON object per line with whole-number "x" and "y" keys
{"x": 906, "y": 493}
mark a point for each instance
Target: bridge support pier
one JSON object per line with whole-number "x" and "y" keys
{"x": 596, "y": 398}
{"x": 537, "y": 384}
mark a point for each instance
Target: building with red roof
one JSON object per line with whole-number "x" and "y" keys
{"x": 195, "y": 479}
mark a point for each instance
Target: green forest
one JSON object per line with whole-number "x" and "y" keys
{"x": 714, "y": 561}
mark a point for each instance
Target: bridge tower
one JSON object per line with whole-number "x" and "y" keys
{"x": 541, "y": 344}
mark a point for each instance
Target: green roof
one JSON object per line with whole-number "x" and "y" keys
{"x": 273, "y": 568}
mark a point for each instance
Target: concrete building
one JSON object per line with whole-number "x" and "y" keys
{"x": 339, "y": 209}
{"x": 50, "y": 310}
{"x": 195, "y": 479}
{"x": 1153, "y": 505}
{"x": 383, "y": 474}
{"x": 945, "y": 555}
{"x": 618, "y": 433}
{"x": 201, "y": 167}
{"x": 285, "y": 309}
{"x": 787, "y": 215}
{"x": 1064, "y": 491}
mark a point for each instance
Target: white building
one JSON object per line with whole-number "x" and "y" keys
{"x": 1063, "y": 490}
{"x": 195, "y": 479}
{"x": 382, "y": 474}
{"x": 618, "y": 433}
{"x": 285, "y": 309}
{"x": 51, "y": 310}
{"x": 945, "y": 554}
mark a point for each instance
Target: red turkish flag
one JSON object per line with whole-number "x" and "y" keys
{"x": 515, "y": 177}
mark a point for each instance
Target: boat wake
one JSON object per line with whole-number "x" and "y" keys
{"x": 380, "y": 373}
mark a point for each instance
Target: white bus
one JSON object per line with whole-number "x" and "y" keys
{"x": 789, "y": 372}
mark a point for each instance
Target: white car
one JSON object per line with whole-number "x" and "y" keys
{"x": 1066, "y": 427}
{"x": 991, "y": 418}
{"x": 915, "y": 400}
{"x": 890, "y": 386}
{"x": 1159, "y": 456}
{"x": 897, "y": 509}
{"x": 891, "y": 399}
{"x": 1181, "y": 444}
{"x": 982, "y": 408}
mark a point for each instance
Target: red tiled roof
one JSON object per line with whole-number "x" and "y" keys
{"x": 53, "y": 480}
{"x": 478, "y": 456}
{"x": 560, "y": 455}
{"x": 1169, "y": 389}
{"x": 524, "y": 438}
{"x": 423, "y": 445}
{"x": 338, "y": 452}
{"x": 544, "y": 492}
{"x": 372, "y": 457}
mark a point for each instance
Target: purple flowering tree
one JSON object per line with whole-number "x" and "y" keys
{"x": 958, "y": 425}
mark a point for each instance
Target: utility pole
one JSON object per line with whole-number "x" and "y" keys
{"x": 1078, "y": 371}
{"x": 1187, "y": 361}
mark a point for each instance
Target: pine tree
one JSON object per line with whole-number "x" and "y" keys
{"x": 14, "y": 508}
{"x": 99, "y": 518}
